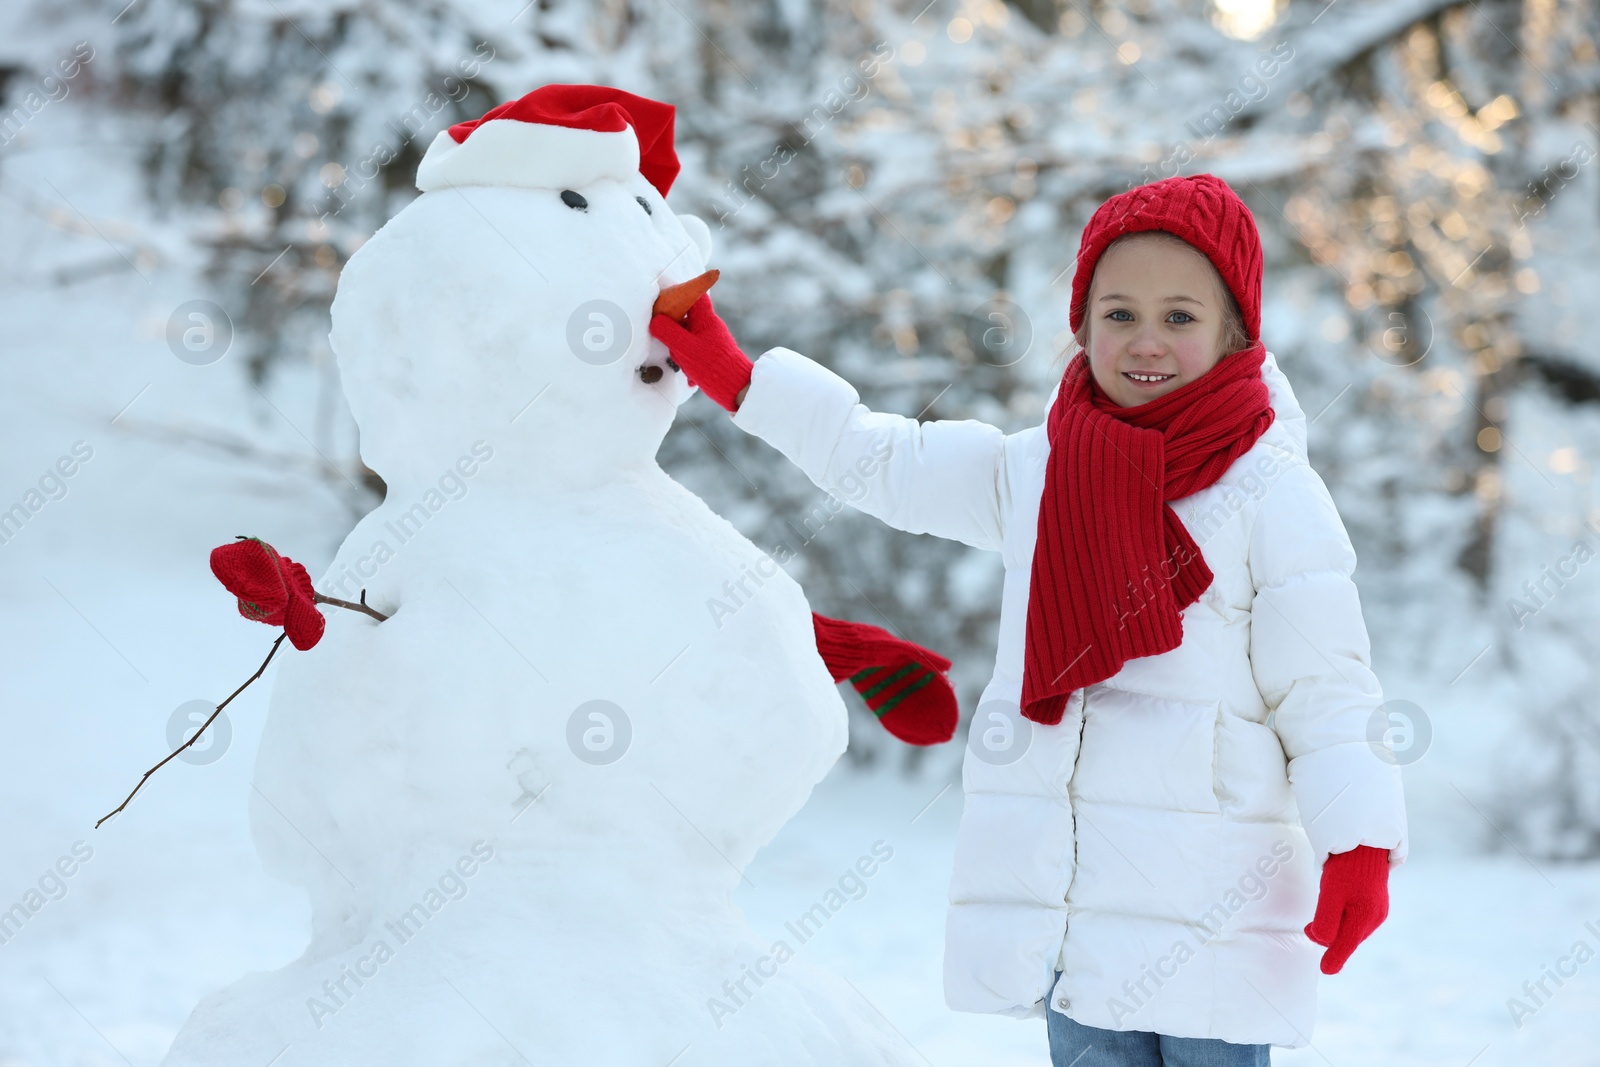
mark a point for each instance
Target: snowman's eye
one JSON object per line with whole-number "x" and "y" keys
{"x": 574, "y": 200}
{"x": 644, "y": 204}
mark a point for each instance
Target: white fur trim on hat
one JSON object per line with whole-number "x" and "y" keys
{"x": 528, "y": 154}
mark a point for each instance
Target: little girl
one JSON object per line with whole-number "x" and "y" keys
{"x": 1176, "y": 733}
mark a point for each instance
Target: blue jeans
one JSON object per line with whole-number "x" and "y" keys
{"x": 1073, "y": 1044}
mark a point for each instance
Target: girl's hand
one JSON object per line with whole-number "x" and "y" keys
{"x": 707, "y": 352}
{"x": 1353, "y": 902}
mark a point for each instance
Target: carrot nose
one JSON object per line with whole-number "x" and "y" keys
{"x": 676, "y": 300}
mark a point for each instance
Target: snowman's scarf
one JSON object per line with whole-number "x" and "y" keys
{"x": 1113, "y": 565}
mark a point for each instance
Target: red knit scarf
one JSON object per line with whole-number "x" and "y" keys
{"x": 1113, "y": 565}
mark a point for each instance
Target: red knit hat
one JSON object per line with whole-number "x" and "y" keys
{"x": 558, "y": 136}
{"x": 1201, "y": 210}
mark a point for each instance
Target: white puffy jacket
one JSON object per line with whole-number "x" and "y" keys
{"x": 1159, "y": 846}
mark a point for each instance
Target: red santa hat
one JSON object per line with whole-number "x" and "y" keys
{"x": 557, "y": 137}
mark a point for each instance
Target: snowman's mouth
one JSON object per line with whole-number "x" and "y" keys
{"x": 650, "y": 373}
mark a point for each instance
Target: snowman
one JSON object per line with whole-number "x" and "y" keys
{"x": 521, "y": 804}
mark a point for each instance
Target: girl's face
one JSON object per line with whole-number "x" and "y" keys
{"x": 1154, "y": 318}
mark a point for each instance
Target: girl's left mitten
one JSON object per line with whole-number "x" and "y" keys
{"x": 1352, "y": 902}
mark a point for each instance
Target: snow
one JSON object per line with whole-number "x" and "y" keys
{"x": 110, "y": 620}
{"x": 175, "y": 904}
{"x": 526, "y": 797}
{"x": 128, "y": 948}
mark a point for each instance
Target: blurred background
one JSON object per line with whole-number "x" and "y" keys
{"x": 896, "y": 189}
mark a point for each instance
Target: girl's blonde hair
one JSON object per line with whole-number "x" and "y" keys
{"x": 1233, "y": 333}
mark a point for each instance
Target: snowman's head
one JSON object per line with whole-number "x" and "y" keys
{"x": 511, "y": 302}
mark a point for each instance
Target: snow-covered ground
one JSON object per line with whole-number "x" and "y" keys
{"x": 109, "y": 620}
{"x": 173, "y": 905}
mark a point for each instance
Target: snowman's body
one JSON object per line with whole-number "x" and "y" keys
{"x": 486, "y": 888}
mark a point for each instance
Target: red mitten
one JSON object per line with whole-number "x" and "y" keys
{"x": 248, "y": 568}
{"x": 1352, "y": 902}
{"x": 706, "y": 351}
{"x": 902, "y": 682}
{"x": 271, "y": 588}
{"x": 302, "y": 621}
